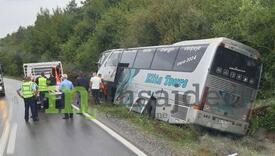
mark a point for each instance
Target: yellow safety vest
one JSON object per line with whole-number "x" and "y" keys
{"x": 42, "y": 83}
{"x": 26, "y": 89}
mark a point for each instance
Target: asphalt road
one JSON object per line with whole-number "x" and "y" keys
{"x": 51, "y": 136}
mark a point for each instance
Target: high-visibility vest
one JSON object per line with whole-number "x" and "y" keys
{"x": 26, "y": 89}
{"x": 42, "y": 83}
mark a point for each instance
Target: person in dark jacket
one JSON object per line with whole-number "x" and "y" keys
{"x": 51, "y": 80}
{"x": 41, "y": 81}
{"x": 81, "y": 81}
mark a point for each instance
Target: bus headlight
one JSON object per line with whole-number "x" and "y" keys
{"x": 1, "y": 88}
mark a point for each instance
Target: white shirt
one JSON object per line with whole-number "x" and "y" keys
{"x": 95, "y": 82}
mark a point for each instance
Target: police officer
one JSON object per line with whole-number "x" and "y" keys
{"x": 28, "y": 92}
{"x": 42, "y": 87}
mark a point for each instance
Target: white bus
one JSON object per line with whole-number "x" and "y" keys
{"x": 209, "y": 82}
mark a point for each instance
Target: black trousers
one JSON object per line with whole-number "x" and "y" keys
{"x": 67, "y": 115}
{"x": 30, "y": 104}
{"x": 95, "y": 93}
{"x": 41, "y": 99}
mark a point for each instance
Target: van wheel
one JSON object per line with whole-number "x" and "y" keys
{"x": 151, "y": 107}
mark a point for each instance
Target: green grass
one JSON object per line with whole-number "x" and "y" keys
{"x": 179, "y": 135}
{"x": 264, "y": 118}
{"x": 183, "y": 138}
{"x": 265, "y": 102}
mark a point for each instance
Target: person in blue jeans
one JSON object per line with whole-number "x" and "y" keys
{"x": 28, "y": 91}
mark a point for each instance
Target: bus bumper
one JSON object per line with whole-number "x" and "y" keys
{"x": 217, "y": 122}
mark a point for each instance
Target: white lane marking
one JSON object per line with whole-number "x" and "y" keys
{"x": 11, "y": 144}
{"x": 4, "y": 139}
{"x": 126, "y": 143}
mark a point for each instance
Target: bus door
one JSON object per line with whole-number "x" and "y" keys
{"x": 119, "y": 71}
{"x": 118, "y": 80}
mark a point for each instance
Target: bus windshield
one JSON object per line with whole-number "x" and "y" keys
{"x": 103, "y": 58}
{"x": 236, "y": 67}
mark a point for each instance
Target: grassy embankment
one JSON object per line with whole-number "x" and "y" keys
{"x": 189, "y": 137}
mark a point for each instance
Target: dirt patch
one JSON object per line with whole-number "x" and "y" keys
{"x": 270, "y": 136}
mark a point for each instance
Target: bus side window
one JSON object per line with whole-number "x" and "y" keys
{"x": 164, "y": 58}
{"x": 128, "y": 57}
{"x": 144, "y": 58}
{"x": 189, "y": 57}
{"x": 114, "y": 58}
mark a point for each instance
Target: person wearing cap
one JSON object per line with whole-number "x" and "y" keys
{"x": 43, "y": 88}
{"x": 28, "y": 91}
{"x": 66, "y": 85}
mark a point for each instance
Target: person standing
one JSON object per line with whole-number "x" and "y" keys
{"x": 43, "y": 88}
{"x": 66, "y": 85}
{"x": 95, "y": 86}
{"x": 28, "y": 91}
{"x": 51, "y": 80}
{"x": 81, "y": 81}
{"x": 102, "y": 89}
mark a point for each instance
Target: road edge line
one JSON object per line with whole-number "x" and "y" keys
{"x": 122, "y": 140}
{"x": 11, "y": 143}
{"x": 4, "y": 139}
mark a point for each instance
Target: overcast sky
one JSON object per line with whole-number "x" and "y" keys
{"x": 15, "y": 13}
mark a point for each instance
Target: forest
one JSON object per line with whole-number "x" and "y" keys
{"x": 77, "y": 35}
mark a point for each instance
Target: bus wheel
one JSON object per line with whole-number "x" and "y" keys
{"x": 151, "y": 107}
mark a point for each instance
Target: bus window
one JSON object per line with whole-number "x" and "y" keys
{"x": 189, "y": 57}
{"x": 144, "y": 58}
{"x": 128, "y": 57}
{"x": 114, "y": 58}
{"x": 164, "y": 58}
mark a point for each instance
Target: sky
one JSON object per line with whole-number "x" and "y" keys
{"x": 16, "y": 13}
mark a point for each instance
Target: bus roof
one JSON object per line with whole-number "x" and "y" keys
{"x": 218, "y": 40}
{"x": 222, "y": 40}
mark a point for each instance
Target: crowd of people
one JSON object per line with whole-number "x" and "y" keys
{"x": 33, "y": 91}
